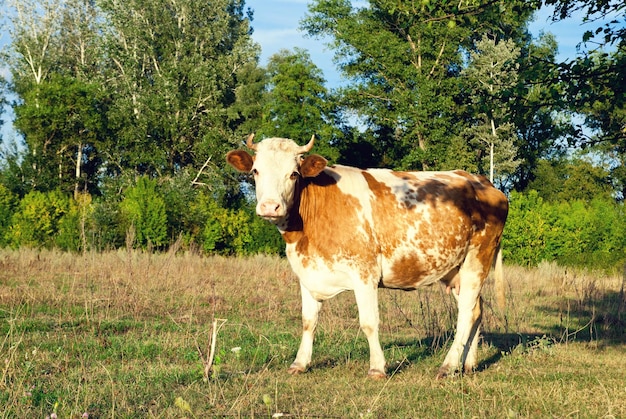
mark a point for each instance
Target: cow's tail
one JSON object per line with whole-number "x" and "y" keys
{"x": 498, "y": 275}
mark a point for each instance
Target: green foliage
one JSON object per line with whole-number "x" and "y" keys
{"x": 492, "y": 72}
{"x": 298, "y": 104}
{"x": 227, "y": 231}
{"x": 61, "y": 120}
{"x": 107, "y": 227}
{"x": 113, "y": 87}
{"x": 403, "y": 61}
{"x": 38, "y": 219}
{"x": 594, "y": 11}
{"x": 8, "y": 202}
{"x": 265, "y": 237}
{"x": 178, "y": 193}
{"x": 143, "y": 210}
{"x": 571, "y": 179}
{"x": 68, "y": 236}
{"x": 573, "y": 233}
{"x": 76, "y": 224}
{"x": 177, "y": 97}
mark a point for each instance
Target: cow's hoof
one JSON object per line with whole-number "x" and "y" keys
{"x": 376, "y": 374}
{"x": 295, "y": 369}
{"x": 442, "y": 373}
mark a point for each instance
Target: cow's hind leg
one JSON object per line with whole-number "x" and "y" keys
{"x": 465, "y": 345}
{"x": 310, "y": 311}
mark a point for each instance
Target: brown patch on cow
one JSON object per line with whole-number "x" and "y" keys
{"x": 324, "y": 222}
{"x": 406, "y": 273}
{"x": 491, "y": 209}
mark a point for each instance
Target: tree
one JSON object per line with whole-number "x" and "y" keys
{"x": 61, "y": 120}
{"x": 37, "y": 219}
{"x": 493, "y": 70}
{"x": 576, "y": 178}
{"x": 143, "y": 210}
{"x": 403, "y": 59}
{"x": 595, "y": 80}
{"x": 175, "y": 73}
{"x": 297, "y": 104}
{"x": 129, "y": 88}
{"x": 54, "y": 65}
{"x": 604, "y": 11}
{"x": 599, "y": 94}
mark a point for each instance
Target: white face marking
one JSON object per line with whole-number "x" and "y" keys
{"x": 275, "y": 171}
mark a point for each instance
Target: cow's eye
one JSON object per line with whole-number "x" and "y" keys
{"x": 294, "y": 175}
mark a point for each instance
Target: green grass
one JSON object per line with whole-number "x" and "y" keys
{"x": 124, "y": 334}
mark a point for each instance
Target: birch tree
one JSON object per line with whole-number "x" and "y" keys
{"x": 53, "y": 60}
{"x": 402, "y": 60}
{"x": 492, "y": 71}
{"x": 175, "y": 68}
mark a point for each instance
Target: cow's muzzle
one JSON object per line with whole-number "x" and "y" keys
{"x": 270, "y": 210}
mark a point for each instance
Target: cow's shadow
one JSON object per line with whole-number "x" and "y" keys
{"x": 417, "y": 350}
{"x": 599, "y": 318}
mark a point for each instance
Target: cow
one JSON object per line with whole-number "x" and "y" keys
{"x": 347, "y": 228}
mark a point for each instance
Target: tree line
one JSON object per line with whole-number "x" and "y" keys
{"x": 124, "y": 111}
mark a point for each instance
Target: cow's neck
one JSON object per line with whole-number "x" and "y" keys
{"x": 309, "y": 198}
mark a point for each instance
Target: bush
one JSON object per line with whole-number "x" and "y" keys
{"x": 37, "y": 219}
{"x": 224, "y": 231}
{"x": 143, "y": 209}
{"x": 107, "y": 229}
{"x": 572, "y": 233}
{"x": 8, "y": 202}
{"x": 179, "y": 193}
{"x": 75, "y": 225}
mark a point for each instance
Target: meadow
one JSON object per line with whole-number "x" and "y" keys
{"x": 128, "y": 333}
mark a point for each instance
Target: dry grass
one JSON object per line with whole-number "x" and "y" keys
{"x": 120, "y": 335}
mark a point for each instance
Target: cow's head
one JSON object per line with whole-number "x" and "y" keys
{"x": 277, "y": 165}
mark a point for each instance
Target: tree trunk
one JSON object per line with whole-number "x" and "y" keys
{"x": 493, "y": 132}
{"x": 79, "y": 159}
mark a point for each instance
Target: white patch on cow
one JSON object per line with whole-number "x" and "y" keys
{"x": 322, "y": 278}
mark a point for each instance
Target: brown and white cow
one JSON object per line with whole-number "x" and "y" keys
{"x": 353, "y": 229}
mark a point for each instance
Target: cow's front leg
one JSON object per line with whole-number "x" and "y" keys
{"x": 310, "y": 310}
{"x": 367, "y": 302}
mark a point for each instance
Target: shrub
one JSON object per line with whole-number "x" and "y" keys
{"x": 8, "y": 202}
{"x": 179, "y": 193}
{"x": 107, "y": 229}
{"x": 224, "y": 231}
{"x": 572, "y": 233}
{"x": 143, "y": 209}
{"x": 75, "y": 224}
{"x": 37, "y": 219}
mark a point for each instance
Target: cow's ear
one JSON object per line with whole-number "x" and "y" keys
{"x": 312, "y": 165}
{"x": 240, "y": 160}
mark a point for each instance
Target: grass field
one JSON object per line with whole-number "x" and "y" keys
{"x": 126, "y": 334}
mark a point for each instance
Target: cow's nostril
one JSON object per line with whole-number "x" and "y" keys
{"x": 270, "y": 208}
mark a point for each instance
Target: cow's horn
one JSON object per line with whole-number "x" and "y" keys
{"x": 307, "y": 147}
{"x": 249, "y": 142}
